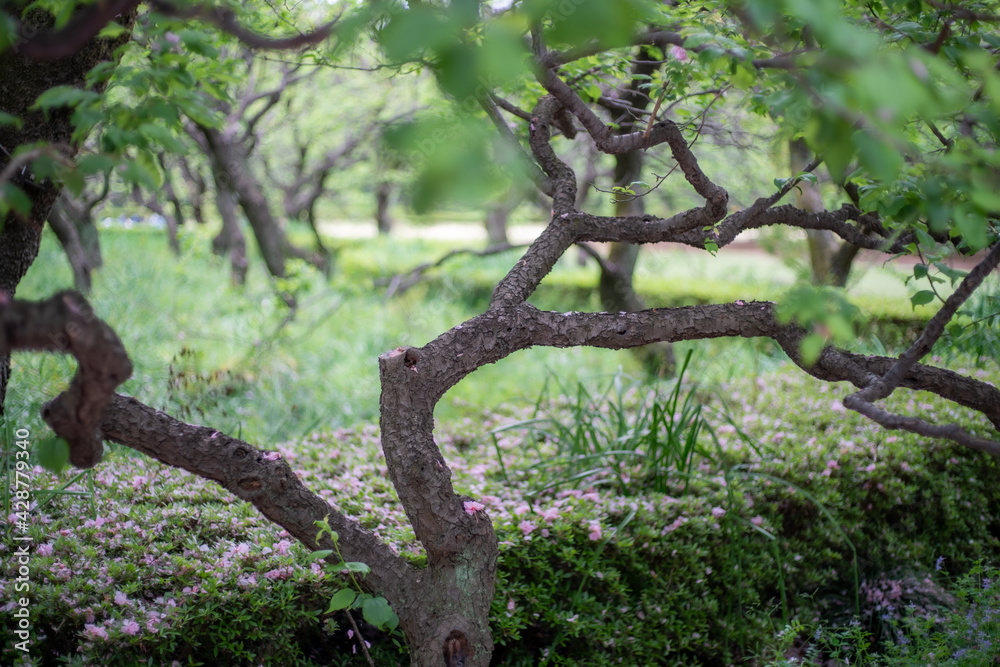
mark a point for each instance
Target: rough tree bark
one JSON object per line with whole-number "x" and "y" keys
{"x": 444, "y": 607}
{"x": 22, "y": 80}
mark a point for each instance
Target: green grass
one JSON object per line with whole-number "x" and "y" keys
{"x": 221, "y": 355}
{"x": 217, "y": 354}
{"x": 757, "y": 536}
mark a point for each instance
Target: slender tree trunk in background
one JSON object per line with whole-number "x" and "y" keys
{"x": 325, "y": 256}
{"x": 21, "y": 82}
{"x": 90, "y": 241}
{"x": 152, "y": 203}
{"x": 69, "y": 239}
{"x": 383, "y": 196}
{"x": 496, "y": 224}
{"x": 615, "y": 285}
{"x": 498, "y": 214}
{"x": 196, "y": 187}
{"x": 822, "y": 243}
{"x": 171, "y": 195}
{"x": 232, "y": 164}
{"x": 230, "y": 238}
{"x": 840, "y": 265}
{"x": 829, "y": 258}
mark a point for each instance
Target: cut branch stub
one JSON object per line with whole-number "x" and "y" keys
{"x": 66, "y": 323}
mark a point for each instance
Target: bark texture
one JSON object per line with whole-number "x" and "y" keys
{"x": 22, "y": 80}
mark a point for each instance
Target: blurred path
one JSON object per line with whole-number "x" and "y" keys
{"x": 474, "y": 233}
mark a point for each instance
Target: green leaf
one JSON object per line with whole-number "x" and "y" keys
{"x": 14, "y": 198}
{"x": 53, "y": 454}
{"x": 8, "y": 119}
{"x": 411, "y": 32}
{"x": 198, "y": 112}
{"x": 111, "y": 30}
{"x": 200, "y": 42}
{"x": 143, "y": 171}
{"x": 163, "y": 137}
{"x": 922, "y": 298}
{"x": 357, "y": 567}
{"x": 342, "y": 599}
{"x": 744, "y": 77}
{"x": 812, "y": 346}
{"x": 64, "y": 96}
{"x": 973, "y": 228}
{"x": 881, "y": 160}
{"x": 953, "y": 274}
{"x": 74, "y": 181}
{"x": 95, "y": 163}
{"x": 318, "y": 555}
{"x": 377, "y": 612}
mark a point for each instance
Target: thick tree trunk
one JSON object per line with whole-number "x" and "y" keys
{"x": 21, "y": 82}
{"x": 69, "y": 238}
{"x": 448, "y": 620}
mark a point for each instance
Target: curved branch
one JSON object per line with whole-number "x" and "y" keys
{"x": 663, "y": 132}
{"x": 554, "y": 59}
{"x": 863, "y": 401}
{"x": 540, "y": 180}
{"x": 561, "y": 232}
{"x": 63, "y": 43}
{"x": 258, "y": 477}
{"x": 73, "y": 37}
{"x": 502, "y": 331}
{"x": 399, "y": 283}
{"x": 66, "y": 323}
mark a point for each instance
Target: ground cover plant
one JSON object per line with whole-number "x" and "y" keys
{"x": 893, "y": 100}
{"x": 729, "y": 557}
{"x": 156, "y": 565}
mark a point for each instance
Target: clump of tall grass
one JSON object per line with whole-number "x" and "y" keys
{"x": 630, "y": 435}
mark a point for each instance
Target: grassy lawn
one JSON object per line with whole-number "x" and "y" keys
{"x": 768, "y": 525}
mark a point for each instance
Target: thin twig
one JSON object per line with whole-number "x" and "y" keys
{"x": 361, "y": 640}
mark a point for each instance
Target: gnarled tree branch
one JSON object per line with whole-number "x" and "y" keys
{"x": 66, "y": 323}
